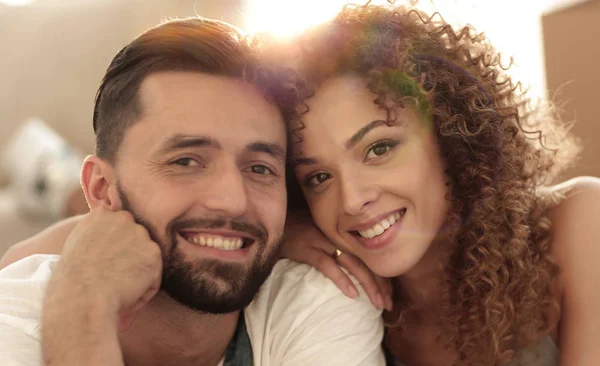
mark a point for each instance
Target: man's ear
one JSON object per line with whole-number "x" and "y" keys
{"x": 99, "y": 184}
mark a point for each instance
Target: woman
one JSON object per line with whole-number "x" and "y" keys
{"x": 417, "y": 156}
{"x": 419, "y": 159}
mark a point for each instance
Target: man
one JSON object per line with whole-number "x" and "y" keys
{"x": 188, "y": 199}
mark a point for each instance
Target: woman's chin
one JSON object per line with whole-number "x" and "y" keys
{"x": 398, "y": 262}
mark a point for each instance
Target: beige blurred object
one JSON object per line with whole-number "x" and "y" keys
{"x": 55, "y": 52}
{"x": 572, "y": 51}
{"x": 14, "y": 225}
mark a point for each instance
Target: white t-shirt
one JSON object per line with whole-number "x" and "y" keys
{"x": 298, "y": 318}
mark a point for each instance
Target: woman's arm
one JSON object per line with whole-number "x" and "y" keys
{"x": 49, "y": 241}
{"x": 576, "y": 246}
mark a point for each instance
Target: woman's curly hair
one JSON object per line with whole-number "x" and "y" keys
{"x": 500, "y": 149}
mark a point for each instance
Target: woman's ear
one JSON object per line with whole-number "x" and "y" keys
{"x": 100, "y": 184}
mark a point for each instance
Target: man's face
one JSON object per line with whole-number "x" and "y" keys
{"x": 203, "y": 171}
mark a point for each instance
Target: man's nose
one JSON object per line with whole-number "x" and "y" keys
{"x": 227, "y": 195}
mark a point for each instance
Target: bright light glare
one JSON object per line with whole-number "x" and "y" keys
{"x": 287, "y": 17}
{"x": 513, "y": 26}
{"x": 15, "y": 2}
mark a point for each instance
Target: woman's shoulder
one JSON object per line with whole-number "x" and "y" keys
{"x": 576, "y": 250}
{"x": 575, "y": 216}
{"x": 574, "y": 200}
{"x": 575, "y": 232}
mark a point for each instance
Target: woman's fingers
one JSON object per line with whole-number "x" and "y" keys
{"x": 329, "y": 267}
{"x": 377, "y": 288}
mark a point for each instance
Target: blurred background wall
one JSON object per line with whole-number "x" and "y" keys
{"x": 53, "y": 54}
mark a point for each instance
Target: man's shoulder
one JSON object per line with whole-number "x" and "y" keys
{"x": 299, "y": 316}
{"x": 34, "y": 267}
{"x": 22, "y": 287}
{"x": 295, "y": 271}
{"x": 297, "y": 284}
{"x": 288, "y": 275}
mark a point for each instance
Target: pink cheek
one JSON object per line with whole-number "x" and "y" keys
{"x": 326, "y": 220}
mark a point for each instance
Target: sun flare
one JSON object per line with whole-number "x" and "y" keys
{"x": 284, "y": 18}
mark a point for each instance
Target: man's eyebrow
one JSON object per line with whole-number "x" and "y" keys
{"x": 352, "y": 141}
{"x": 275, "y": 150}
{"x": 178, "y": 142}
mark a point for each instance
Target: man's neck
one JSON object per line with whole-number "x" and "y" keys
{"x": 166, "y": 332}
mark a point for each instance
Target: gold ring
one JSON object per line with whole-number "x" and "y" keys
{"x": 336, "y": 254}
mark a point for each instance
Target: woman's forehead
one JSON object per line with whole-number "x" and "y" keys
{"x": 342, "y": 97}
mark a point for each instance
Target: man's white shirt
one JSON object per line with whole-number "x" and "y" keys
{"x": 298, "y": 318}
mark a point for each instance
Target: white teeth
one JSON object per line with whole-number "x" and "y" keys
{"x": 218, "y": 242}
{"x": 387, "y": 223}
{"x": 381, "y": 227}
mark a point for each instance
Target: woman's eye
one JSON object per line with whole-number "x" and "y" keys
{"x": 261, "y": 169}
{"x": 186, "y": 162}
{"x": 380, "y": 149}
{"x": 317, "y": 179}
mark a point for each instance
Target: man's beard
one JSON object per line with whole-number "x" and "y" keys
{"x": 210, "y": 285}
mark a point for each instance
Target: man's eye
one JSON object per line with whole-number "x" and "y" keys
{"x": 317, "y": 179}
{"x": 186, "y": 162}
{"x": 261, "y": 169}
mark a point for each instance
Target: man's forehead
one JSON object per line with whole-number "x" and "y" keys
{"x": 224, "y": 109}
{"x": 185, "y": 89}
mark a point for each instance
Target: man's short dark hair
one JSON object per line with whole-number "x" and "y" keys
{"x": 193, "y": 44}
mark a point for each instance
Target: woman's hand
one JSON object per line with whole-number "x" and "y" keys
{"x": 307, "y": 244}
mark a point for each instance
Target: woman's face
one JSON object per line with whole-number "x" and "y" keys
{"x": 377, "y": 191}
